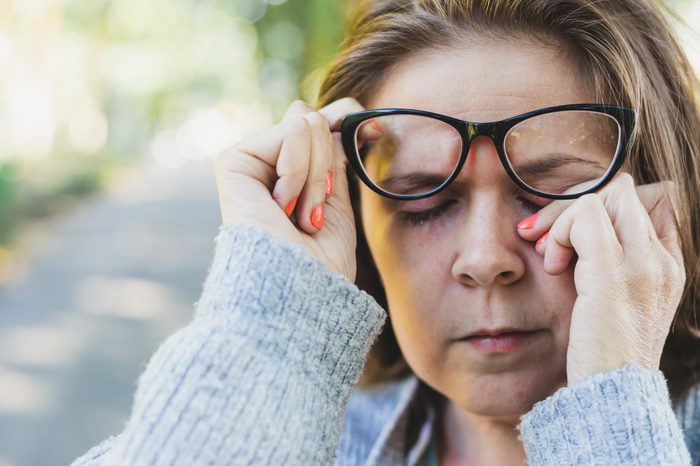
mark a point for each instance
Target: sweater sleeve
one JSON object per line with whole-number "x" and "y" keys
{"x": 621, "y": 417}
{"x": 263, "y": 373}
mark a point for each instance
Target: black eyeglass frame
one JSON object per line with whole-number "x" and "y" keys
{"x": 626, "y": 118}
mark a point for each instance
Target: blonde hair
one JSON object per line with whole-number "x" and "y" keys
{"x": 627, "y": 54}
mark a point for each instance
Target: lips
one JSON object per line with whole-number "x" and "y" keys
{"x": 501, "y": 342}
{"x": 498, "y": 332}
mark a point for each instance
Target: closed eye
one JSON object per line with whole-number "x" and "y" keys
{"x": 420, "y": 218}
{"x": 529, "y": 205}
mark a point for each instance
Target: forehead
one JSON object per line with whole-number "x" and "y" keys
{"x": 484, "y": 81}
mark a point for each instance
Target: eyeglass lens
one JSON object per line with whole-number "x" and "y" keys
{"x": 564, "y": 152}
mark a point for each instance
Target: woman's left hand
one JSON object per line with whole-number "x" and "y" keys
{"x": 629, "y": 275}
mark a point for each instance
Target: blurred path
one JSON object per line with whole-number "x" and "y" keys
{"x": 102, "y": 287}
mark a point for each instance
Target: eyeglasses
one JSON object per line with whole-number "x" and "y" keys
{"x": 560, "y": 152}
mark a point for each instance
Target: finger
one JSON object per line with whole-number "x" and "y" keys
{"x": 340, "y": 181}
{"x": 660, "y": 201}
{"x": 535, "y": 226}
{"x": 559, "y": 256}
{"x": 313, "y": 194}
{"x": 336, "y": 110}
{"x": 292, "y": 166}
{"x": 587, "y": 228}
{"x": 339, "y": 202}
{"x": 629, "y": 218}
{"x": 370, "y": 130}
{"x": 258, "y": 155}
{"x": 265, "y": 147}
{"x": 624, "y": 208}
{"x": 331, "y": 165}
{"x": 653, "y": 195}
{"x": 298, "y": 107}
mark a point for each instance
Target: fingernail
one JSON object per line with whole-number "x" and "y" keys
{"x": 329, "y": 183}
{"x": 317, "y": 216}
{"x": 542, "y": 239}
{"x": 290, "y": 206}
{"x": 529, "y": 222}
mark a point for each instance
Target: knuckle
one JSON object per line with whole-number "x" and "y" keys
{"x": 224, "y": 158}
{"x": 300, "y": 104}
{"x": 681, "y": 276}
{"x": 626, "y": 179}
{"x": 591, "y": 201}
{"x": 644, "y": 272}
{"x": 297, "y": 123}
{"x": 668, "y": 186}
{"x": 675, "y": 270}
{"x": 351, "y": 102}
{"x": 317, "y": 121}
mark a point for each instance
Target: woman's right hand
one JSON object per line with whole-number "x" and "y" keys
{"x": 286, "y": 169}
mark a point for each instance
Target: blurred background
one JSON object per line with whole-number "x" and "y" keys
{"x": 111, "y": 112}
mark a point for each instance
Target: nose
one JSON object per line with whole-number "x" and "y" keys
{"x": 487, "y": 245}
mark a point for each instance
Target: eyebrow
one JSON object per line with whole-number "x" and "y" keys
{"x": 413, "y": 180}
{"x": 552, "y": 162}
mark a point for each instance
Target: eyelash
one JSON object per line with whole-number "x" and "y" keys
{"x": 419, "y": 218}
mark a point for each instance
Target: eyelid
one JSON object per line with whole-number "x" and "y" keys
{"x": 432, "y": 202}
{"x": 420, "y": 205}
{"x": 538, "y": 201}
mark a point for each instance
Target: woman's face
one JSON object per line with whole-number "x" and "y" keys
{"x": 467, "y": 269}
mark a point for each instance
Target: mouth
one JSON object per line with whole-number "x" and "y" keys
{"x": 500, "y": 341}
{"x": 498, "y": 332}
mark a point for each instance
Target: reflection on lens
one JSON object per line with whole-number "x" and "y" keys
{"x": 564, "y": 152}
{"x": 408, "y": 154}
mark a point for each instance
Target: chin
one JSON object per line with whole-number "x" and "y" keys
{"x": 507, "y": 394}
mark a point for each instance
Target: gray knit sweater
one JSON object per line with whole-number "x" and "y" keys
{"x": 264, "y": 375}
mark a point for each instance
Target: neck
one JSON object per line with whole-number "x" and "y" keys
{"x": 469, "y": 439}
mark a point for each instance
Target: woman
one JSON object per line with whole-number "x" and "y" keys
{"x": 526, "y": 219}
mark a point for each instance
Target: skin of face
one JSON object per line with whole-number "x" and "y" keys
{"x": 468, "y": 269}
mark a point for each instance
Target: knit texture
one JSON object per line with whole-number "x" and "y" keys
{"x": 277, "y": 342}
{"x": 621, "y": 417}
{"x": 264, "y": 375}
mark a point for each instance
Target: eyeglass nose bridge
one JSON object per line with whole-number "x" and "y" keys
{"x": 491, "y": 130}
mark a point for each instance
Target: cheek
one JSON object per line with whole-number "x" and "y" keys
{"x": 415, "y": 276}
{"x": 556, "y": 293}
{"x": 416, "y": 279}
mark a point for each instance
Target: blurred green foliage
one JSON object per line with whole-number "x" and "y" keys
{"x": 135, "y": 69}
{"x": 124, "y": 80}
{"x": 320, "y": 24}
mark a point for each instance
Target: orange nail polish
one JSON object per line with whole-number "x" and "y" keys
{"x": 290, "y": 206}
{"x": 317, "y": 216}
{"x": 329, "y": 183}
{"x": 529, "y": 222}
{"x": 543, "y": 238}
